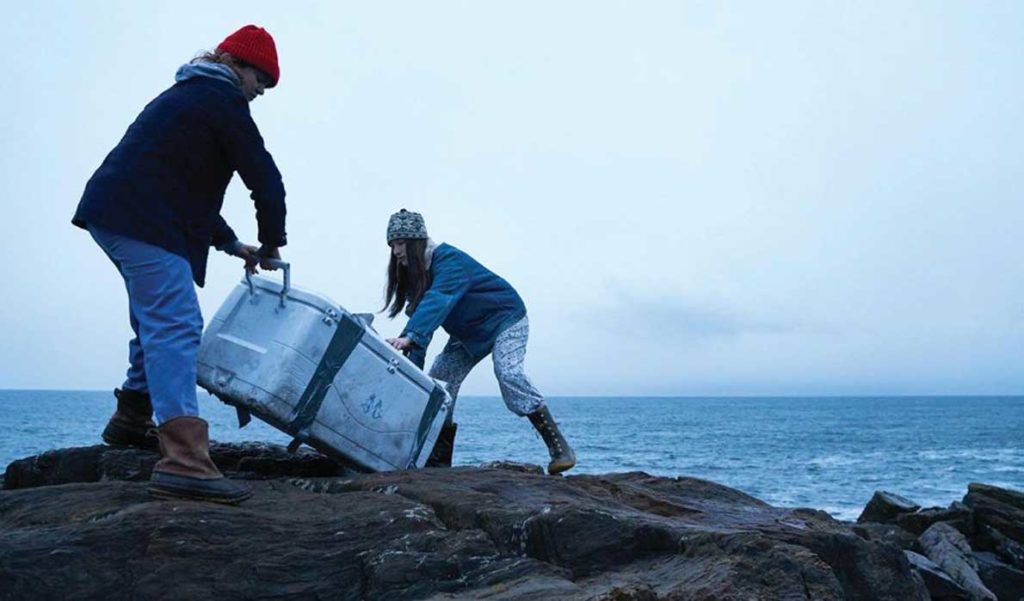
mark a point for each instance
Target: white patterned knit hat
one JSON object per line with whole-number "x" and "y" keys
{"x": 406, "y": 224}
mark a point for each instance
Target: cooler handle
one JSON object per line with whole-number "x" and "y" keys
{"x": 278, "y": 264}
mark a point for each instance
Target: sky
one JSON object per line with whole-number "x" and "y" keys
{"x": 693, "y": 198}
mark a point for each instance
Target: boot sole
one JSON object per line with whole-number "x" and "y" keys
{"x": 558, "y": 468}
{"x": 175, "y": 486}
{"x": 181, "y": 496}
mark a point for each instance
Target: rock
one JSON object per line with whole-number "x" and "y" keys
{"x": 957, "y": 515}
{"x": 466, "y": 532}
{"x": 948, "y": 548}
{"x": 887, "y": 533}
{"x": 1009, "y": 551}
{"x": 1013, "y": 498}
{"x": 940, "y": 586}
{"x": 999, "y": 508}
{"x": 884, "y": 507}
{"x": 1006, "y": 582}
{"x": 515, "y": 466}
{"x": 79, "y": 464}
{"x": 249, "y": 460}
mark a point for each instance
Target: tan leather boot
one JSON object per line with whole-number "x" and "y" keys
{"x": 186, "y": 470}
{"x": 132, "y": 423}
{"x": 562, "y": 455}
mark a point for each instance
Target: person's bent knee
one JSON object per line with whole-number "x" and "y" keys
{"x": 179, "y": 334}
{"x": 511, "y": 378}
{"x": 524, "y": 409}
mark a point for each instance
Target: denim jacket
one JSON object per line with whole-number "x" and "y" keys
{"x": 470, "y": 302}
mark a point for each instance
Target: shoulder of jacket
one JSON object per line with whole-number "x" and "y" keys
{"x": 219, "y": 94}
{"x": 448, "y": 250}
{"x": 449, "y": 260}
{"x": 446, "y": 253}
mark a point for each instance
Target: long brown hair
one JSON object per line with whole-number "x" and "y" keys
{"x": 407, "y": 283}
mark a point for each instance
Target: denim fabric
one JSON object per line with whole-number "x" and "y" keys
{"x": 472, "y": 303}
{"x": 164, "y": 314}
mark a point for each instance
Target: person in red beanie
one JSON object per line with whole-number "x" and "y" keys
{"x": 153, "y": 206}
{"x": 251, "y": 54}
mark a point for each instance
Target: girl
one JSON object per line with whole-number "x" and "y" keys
{"x": 153, "y": 206}
{"x": 439, "y": 285}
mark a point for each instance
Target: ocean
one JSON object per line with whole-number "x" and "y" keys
{"x": 826, "y": 453}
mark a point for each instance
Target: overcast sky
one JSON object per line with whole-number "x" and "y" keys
{"x": 692, "y": 197}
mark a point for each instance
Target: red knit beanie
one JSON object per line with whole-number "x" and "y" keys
{"x": 255, "y": 46}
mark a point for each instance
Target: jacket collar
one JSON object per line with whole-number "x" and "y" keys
{"x": 207, "y": 69}
{"x": 429, "y": 252}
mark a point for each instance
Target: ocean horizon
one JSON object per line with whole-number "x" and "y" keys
{"x": 825, "y": 452}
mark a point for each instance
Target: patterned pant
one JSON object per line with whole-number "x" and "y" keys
{"x": 454, "y": 364}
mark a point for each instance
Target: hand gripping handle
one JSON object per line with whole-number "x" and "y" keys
{"x": 277, "y": 264}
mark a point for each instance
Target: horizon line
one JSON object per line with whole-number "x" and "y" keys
{"x": 663, "y": 396}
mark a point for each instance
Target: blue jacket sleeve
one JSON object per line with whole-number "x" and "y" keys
{"x": 450, "y": 282}
{"x": 250, "y": 158}
{"x": 418, "y": 356}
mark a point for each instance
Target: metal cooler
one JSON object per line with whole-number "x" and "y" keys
{"x": 303, "y": 364}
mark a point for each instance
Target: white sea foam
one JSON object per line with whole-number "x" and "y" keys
{"x": 834, "y": 461}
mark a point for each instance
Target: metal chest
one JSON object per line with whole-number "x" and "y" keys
{"x": 303, "y": 364}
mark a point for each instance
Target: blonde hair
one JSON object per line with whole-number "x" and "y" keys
{"x": 224, "y": 58}
{"x": 217, "y": 56}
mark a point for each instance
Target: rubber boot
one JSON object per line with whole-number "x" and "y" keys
{"x": 186, "y": 470}
{"x": 562, "y": 456}
{"x": 132, "y": 423}
{"x": 441, "y": 456}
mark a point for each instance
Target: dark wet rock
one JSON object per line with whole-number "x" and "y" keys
{"x": 957, "y": 515}
{"x": 1012, "y": 498}
{"x": 940, "y": 585}
{"x": 129, "y": 465}
{"x": 249, "y": 460}
{"x": 503, "y": 532}
{"x": 990, "y": 539}
{"x": 887, "y": 533}
{"x": 80, "y": 464}
{"x": 515, "y": 466}
{"x": 1006, "y": 582}
{"x": 884, "y": 507}
{"x": 949, "y": 549}
{"x": 999, "y": 508}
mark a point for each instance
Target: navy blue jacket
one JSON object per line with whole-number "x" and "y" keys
{"x": 164, "y": 183}
{"x": 469, "y": 301}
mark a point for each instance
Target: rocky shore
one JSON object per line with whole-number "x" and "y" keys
{"x": 78, "y": 524}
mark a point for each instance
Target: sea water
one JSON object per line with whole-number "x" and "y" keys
{"x": 827, "y": 453}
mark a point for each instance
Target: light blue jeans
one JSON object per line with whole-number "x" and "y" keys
{"x": 164, "y": 313}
